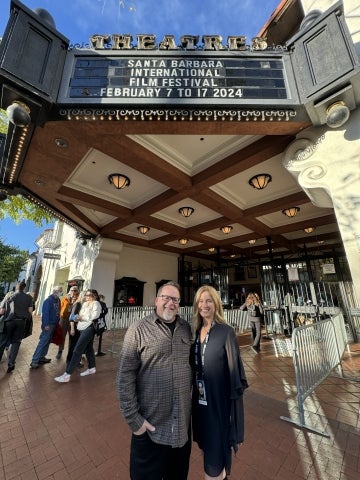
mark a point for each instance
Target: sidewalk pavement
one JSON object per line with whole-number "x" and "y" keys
{"x": 74, "y": 431}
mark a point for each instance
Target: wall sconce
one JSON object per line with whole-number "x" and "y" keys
{"x": 260, "y": 181}
{"x": 211, "y": 249}
{"x": 19, "y": 114}
{"x": 143, "y": 229}
{"x": 309, "y": 229}
{"x": 226, "y": 229}
{"x": 320, "y": 242}
{"x": 252, "y": 241}
{"x": 119, "y": 180}
{"x": 186, "y": 211}
{"x": 183, "y": 241}
{"x": 291, "y": 212}
{"x": 337, "y": 114}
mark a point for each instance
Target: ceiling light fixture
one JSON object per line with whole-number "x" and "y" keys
{"x": 260, "y": 181}
{"x": 186, "y": 211}
{"x": 143, "y": 229}
{"x": 183, "y": 241}
{"x": 226, "y": 229}
{"x": 291, "y": 212}
{"x": 309, "y": 229}
{"x": 119, "y": 180}
{"x": 252, "y": 241}
{"x": 61, "y": 143}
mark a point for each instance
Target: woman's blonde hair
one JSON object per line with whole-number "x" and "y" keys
{"x": 219, "y": 311}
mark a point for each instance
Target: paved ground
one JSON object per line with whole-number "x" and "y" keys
{"x": 51, "y": 431}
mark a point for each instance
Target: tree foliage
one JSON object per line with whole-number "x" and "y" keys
{"x": 12, "y": 262}
{"x": 17, "y": 207}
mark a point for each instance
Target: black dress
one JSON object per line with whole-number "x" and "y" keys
{"x": 219, "y": 425}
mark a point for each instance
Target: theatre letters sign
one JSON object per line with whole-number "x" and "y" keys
{"x": 213, "y": 74}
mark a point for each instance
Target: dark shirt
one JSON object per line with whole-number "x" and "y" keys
{"x": 22, "y": 301}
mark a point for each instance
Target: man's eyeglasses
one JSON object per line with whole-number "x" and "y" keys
{"x": 167, "y": 298}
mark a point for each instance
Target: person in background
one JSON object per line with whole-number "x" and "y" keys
{"x": 154, "y": 389}
{"x": 74, "y": 333}
{"x": 104, "y": 312}
{"x": 90, "y": 310}
{"x": 67, "y": 303}
{"x": 19, "y": 307}
{"x": 50, "y": 317}
{"x": 255, "y": 311}
{"x": 219, "y": 382}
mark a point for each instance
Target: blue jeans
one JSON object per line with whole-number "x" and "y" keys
{"x": 85, "y": 344}
{"x": 256, "y": 332}
{"x": 44, "y": 343}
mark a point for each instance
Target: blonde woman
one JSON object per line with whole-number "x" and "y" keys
{"x": 218, "y": 385}
{"x": 90, "y": 311}
{"x": 255, "y": 310}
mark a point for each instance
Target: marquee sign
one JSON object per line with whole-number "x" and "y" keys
{"x": 225, "y": 78}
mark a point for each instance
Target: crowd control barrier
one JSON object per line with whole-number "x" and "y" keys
{"x": 318, "y": 349}
{"x": 120, "y": 318}
{"x": 238, "y": 319}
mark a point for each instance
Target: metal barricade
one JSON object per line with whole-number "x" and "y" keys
{"x": 317, "y": 349}
{"x": 238, "y": 319}
{"x": 120, "y": 318}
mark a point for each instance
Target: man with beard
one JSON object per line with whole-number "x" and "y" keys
{"x": 154, "y": 388}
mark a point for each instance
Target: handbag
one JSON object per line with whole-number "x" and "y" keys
{"x": 57, "y": 337}
{"x": 28, "y": 327}
{"x": 99, "y": 325}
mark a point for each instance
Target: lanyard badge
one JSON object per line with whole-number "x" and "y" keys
{"x": 199, "y": 367}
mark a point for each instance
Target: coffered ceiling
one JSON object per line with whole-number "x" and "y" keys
{"x": 206, "y": 166}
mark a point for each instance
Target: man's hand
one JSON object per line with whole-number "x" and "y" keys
{"x": 144, "y": 427}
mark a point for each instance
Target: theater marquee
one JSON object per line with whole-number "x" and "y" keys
{"x": 206, "y": 78}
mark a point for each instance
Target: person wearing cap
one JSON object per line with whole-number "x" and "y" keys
{"x": 50, "y": 317}
{"x": 65, "y": 310}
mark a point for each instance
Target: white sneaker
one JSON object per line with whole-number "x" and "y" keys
{"x": 64, "y": 378}
{"x": 89, "y": 371}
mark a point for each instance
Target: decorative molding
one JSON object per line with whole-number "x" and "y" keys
{"x": 255, "y": 115}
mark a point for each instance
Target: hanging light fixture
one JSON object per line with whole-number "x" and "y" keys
{"x": 309, "y": 229}
{"x": 183, "y": 241}
{"x": 143, "y": 229}
{"x": 119, "y": 180}
{"x": 212, "y": 249}
{"x": 291, "y": 212}
{"x": 252, "y": 241}
{"x": 226, "y": 229}
{"x": 260, "y": 181}
{"x": 186, "y": 211}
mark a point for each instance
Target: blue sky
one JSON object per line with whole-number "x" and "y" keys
{"x": 79, "y": 19}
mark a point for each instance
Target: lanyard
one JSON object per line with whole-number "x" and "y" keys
{"x": 200, "y": 354}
